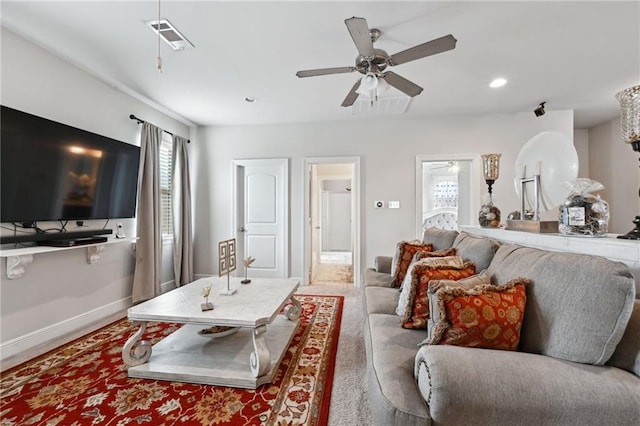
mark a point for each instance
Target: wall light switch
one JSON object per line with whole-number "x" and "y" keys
{"x": 379, "y": 204}
{"x": 394, "y": 204}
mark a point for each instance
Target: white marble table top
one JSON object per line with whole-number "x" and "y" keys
{"x": 253, "y": 305}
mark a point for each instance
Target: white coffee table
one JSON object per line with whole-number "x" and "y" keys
{"x": 190, "y": 356}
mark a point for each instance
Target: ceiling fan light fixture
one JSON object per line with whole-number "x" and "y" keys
{"x": 498, "y": 82}
{"x": 369, "y": 82}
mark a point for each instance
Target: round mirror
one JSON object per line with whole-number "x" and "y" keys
{"x": 553, "y": 156}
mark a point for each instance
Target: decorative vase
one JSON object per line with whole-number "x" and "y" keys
{"x": 489, "y": 216}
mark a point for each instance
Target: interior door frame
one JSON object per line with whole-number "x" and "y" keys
{"x": 306, "y": 225}
{"x": 237, "y": 164}
{"x": 474, "y": 191}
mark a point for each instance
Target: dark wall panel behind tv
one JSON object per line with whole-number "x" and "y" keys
{"x": 51, "y": 171}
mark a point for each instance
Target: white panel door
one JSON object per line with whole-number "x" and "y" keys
{"x": 261, "y": 212}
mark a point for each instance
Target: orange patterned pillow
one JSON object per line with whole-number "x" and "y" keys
{"x": 405, "y": 251}
{"x": 486, "y": 316}
{"x": 416, "y": 312}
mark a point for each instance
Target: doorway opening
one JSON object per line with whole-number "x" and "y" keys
{"x": 445, "y": 191}
{"x": 332, "y": 231}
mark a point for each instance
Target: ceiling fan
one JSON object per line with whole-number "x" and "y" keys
{"x": 373, "y": 62}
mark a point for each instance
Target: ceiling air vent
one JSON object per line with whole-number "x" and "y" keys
{"x": 170, "y": 34}
{"x": 383, "y": 106}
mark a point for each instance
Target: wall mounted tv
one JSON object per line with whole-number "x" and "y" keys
{"x": 50, "y": 171}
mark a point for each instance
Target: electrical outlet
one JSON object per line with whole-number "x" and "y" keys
{"x": 379, "y": 204}
{"x": 119, "y": 230}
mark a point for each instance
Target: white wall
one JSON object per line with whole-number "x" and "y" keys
{"x": 581, "y": 142}
{"x": 615, "y": 165}
{"x": 388, "y": 149}
{"x": 61, "y": 291}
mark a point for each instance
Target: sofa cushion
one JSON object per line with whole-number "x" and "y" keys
{"x": 391, "y": 353}
{"x": 439, "y": 238}
{"x": 373, "y": 278}
{"x": 479, "y": 250}
{"x": 485, "y": 316}
{"x": 578, "y": 306}
{"x": 381, "y": 300}
{"x": 405, "y": 250}
{"x": 383, "y": 264}
{"x": 414, "y": 311}
{"x": 627, "y": 353}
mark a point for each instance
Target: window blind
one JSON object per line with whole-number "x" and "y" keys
{"x": 166, "y": 210}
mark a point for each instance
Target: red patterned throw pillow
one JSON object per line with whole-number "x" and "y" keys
{"x": 405, "y": 250}
{"x": 415, "y": 301}
{"x": 485, "y": 316}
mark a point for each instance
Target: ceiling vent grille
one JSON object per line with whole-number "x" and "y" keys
{"x": 170, "y": 34}
{"x": 383, "y": 106}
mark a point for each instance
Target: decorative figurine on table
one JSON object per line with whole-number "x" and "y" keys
{"x": 227, "y": 263}
{"x": 247, "y": 264}
{"x": 489, "y": 216}
{"x": 206, "y": 306}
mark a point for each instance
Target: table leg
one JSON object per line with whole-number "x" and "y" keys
{"x": 292, "y": 312}
{"x": 136, "y": 351}
{"x": 260, "y": 359}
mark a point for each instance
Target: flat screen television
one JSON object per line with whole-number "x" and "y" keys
{"x": 50, "y": 171}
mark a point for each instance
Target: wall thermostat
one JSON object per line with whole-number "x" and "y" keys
{"x": 379, "y": 204}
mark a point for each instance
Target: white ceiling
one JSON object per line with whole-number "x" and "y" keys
{"x": 573, "y": 55}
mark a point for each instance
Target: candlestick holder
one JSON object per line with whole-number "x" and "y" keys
{"x": 630, "y": 125}
{"x": 489, "y": 216}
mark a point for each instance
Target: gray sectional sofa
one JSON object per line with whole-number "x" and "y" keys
{"x": 578, "y": 361}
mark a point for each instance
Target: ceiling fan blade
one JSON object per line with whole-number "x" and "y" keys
{"x": 402, "y": 84}
{"x": 325, "y": 71}
{"x": 429, "y": 48}
{"x": 359, "y": 31}
{"x": 352, "y": 95}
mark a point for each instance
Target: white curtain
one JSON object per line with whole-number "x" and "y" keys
{"x": 146, "y": 278}
{"x": 182, "y": 228}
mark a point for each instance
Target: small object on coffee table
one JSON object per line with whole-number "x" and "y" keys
{"x": 217, "y": 331}
{"x": 227, "y": 263}
{"x": 247, "y": 264}
{"x": 206, "y": 306}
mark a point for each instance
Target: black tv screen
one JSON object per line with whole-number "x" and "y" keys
{"x": 50, "y": 171}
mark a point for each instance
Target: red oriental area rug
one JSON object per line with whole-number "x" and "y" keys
{"x": 85, "y": 382}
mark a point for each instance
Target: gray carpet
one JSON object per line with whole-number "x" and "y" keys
{"x": 349, "y": 398}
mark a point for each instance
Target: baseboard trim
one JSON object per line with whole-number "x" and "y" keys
{"x": 41, "y": 341}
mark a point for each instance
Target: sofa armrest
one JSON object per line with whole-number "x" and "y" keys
{"x": 383, "y": 264}
{"x": 465, "y": 386}
{"x": 627, "y": 353}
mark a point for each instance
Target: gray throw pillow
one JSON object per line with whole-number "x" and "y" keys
{"x": 440, "y": 239}
{"x": 479, "y": 250}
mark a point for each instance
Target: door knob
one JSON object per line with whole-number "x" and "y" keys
{"x": 242, "y": 229}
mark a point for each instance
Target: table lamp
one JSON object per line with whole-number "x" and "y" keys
{"x": 630, "y": 125}
{"x": 489, "y": 214}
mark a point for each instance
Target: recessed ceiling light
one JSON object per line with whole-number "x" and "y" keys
{"x": 250, "y": 99}
{"x": 498, "y": 82}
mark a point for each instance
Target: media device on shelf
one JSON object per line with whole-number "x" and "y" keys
{"x": 50, "y": 171}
